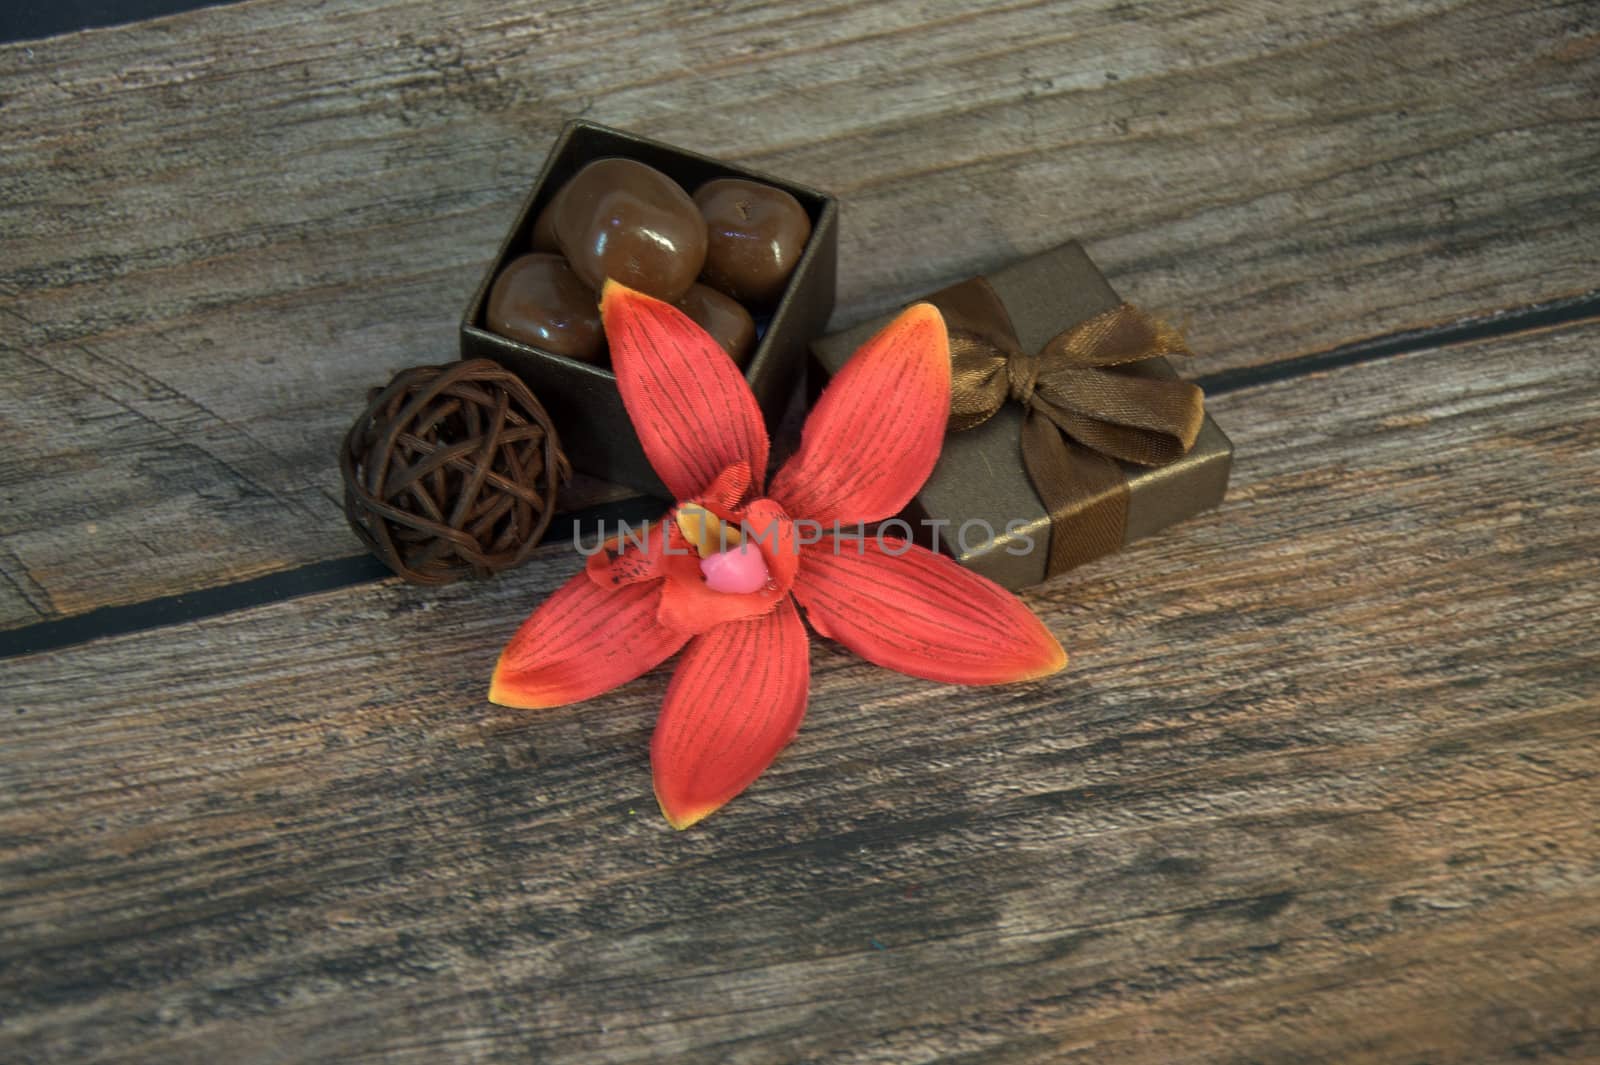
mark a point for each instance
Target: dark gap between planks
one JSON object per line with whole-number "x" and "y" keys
{"x": 354, "y": 570}
{"x": 34, "y": 20}
{"x": 1570, "y": 310}
{"x": 326, "y": 576}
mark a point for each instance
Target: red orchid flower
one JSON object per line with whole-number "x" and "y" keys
{"x": 740, "y": 689}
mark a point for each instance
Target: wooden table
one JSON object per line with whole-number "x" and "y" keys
{"x": 1318, "y": 787}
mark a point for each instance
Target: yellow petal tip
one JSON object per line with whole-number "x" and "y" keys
{"x": 614, "y": 290}
{"x": 502, "y": 694}
{"x": 1054, "y": 664}
{"x": 683, "y": 819}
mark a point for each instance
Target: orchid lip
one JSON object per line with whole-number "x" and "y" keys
{"x": 737, "y": 571}
{"x": 729, "y": 562}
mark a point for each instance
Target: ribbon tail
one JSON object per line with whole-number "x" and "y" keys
{"x": 1150, "y": 421}
{"x": 1084, "y": 493}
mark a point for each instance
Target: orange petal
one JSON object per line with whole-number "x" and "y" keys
{"x": 632, "y": 557}
{"x": 873, "y": 437}
{"x": 584, "y": 640}
{"x": 735, "y": 701}
{"x": 693, "y": 410}
{"x": 689, "y": 607}
{"x": 919, "y": 613}
{"x": 726, "y": 494}
{"x": 774, "y": 533}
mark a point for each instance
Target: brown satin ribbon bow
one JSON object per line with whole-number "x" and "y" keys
{"x": 1083, "y": 413}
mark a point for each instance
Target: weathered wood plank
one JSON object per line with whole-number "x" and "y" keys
{"x": 1318, "y": 787}
{"x": 221, "y": 228}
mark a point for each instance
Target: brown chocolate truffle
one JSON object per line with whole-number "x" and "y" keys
{"x": 724, "y": 318}
{"x": 544, "y": 227}
{"x": 620, "y": 219}
{"x": 755, "y": 234}
{"x": 538, "y": 300}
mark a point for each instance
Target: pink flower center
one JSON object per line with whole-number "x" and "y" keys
{"x": 738, "y": 571}
{"x": 727, "y": 562}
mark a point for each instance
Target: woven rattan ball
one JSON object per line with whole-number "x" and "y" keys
{"x": 452, "y": 471}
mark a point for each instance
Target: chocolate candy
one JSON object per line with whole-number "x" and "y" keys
{"x": 621, "y": 219}
{"x": 538, "y": 300}
{"x": 724, "y": 318}
{"x": 544, "y": 227}
{"x": 755, "y": 234}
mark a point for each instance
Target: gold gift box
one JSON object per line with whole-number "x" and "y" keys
{"x": 980, "y": 482}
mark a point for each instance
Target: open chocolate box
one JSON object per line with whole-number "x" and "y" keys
{"x": 582, "y": 399}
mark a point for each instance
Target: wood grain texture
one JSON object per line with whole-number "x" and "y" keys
{"x": 1318, "y": 787}
{"x": 222, "y": 228}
